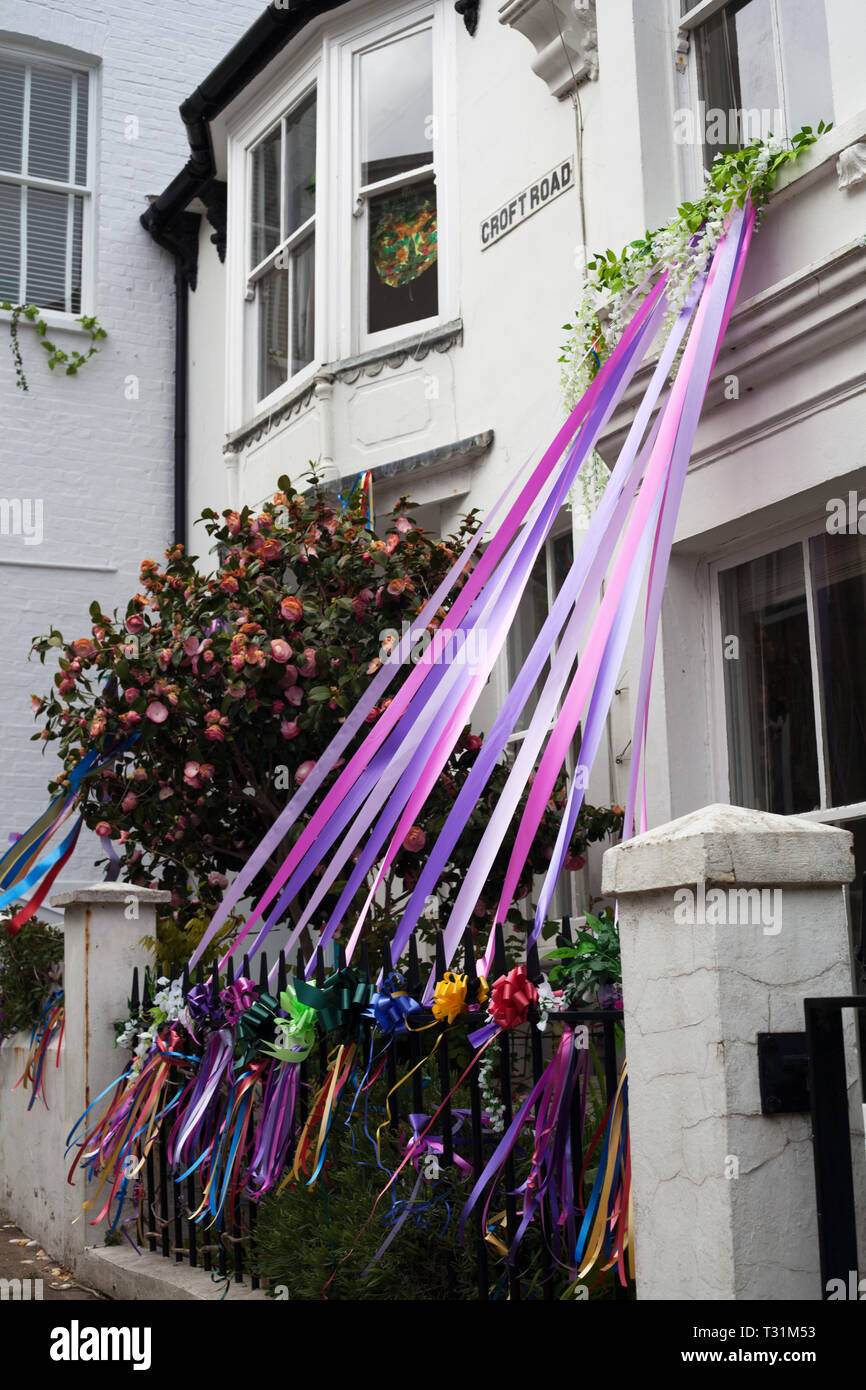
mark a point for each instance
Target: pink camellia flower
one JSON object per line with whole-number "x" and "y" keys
{"x": 84, "y": 648}
{"x": 372, "y": 716}
{"x": 156, "y": 712}
{"x": 271, "y": 549}
{"x": 309, "y": 666}
{"x": 130, "y": 719}
{"x": 36, "y": 704}
{"x": 215, "y": 734}
{"x": 403, "y": 524}
{"x": 255, "y": 656}
{"x": 229, "y": 585}
{"x": 233, "y": 523}
{"x": 131, "y": 695}
{"x": 473, "y": 742}
{"x": 397, "y": 586}
{"x": 191, "y": 646}
{"x": 278, "y": 706}
{"x": 359, "y": 603}
{"x": 134, "y": 623}
{"x": 415, "y": 839}
{"x": 165, "y": 792}
{"x": 280, "y": 650}
{"x": 303, "y": 772}
{"x": 292, "y": 609}
{"x": 65, "y": 685}
{"x": 289, "y": 676}
{"x": 163, "y": 661}
{"x": 391, "y": 543}
{"x": 129, "y": 802}
{"x": 289, "y": 728}
{"x": 217, "y": 880}
{"x": 191, "y": 774}
{"x": 103, "y": 829}
{"x": 139, "y": 775}
{"x": 238, "y": 661}
{"x": 294, "y": 695}
{"x": 573, "y": 862}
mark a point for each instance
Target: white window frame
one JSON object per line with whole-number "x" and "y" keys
{"x": 32, "y": 57}
{"x": 720, "y": 766}
{"x": 687, "y": 85}
{"x": 327, "y": 60}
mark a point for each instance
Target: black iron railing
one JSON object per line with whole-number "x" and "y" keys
{"x": 166, "y": 1207}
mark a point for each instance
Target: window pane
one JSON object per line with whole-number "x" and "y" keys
{"x": 50, "y": 113}
{"x": 11, "y": 115}
{"x": 77, "y": 223}
{"x": 301, "y": 165}
{"x": 769, "y": 707}
{"x": 403, "y": 279}
{"x": 46, "y": 248}
{"x": 396, "y": 107}
{"x": 839, "y": 582}
{"x": 266, "y": 197}
{"x": 81, "y": 131}
{"x": 303, "y": 316}
{"x": 10, "y": 242}
{"x": 737, "y": 75}
{"x": 806, "y": 63}
{"x": 273, "y": 293}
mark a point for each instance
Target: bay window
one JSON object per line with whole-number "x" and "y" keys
{"x": 336, "y": 199}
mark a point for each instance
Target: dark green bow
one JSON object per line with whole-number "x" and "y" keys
{"x": 340, "y": 1002}
{"x": 255, "y": 1027}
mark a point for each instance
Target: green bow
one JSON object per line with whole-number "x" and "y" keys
{"x": 296, "y": 1033}
{"x": 256, "y": 1027}
{"x": 339, "y": 1003}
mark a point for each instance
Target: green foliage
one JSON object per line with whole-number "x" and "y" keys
{"x": 591, "y": 965}
{"x": 71, "y": 361}
{"x": 304, "y": 1234}
{"x": 30, "y": 968}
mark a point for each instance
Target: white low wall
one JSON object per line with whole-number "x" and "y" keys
{"x": 32, "y": 1176}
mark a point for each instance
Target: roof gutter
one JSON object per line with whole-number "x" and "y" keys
{"x": 165, "y": 219}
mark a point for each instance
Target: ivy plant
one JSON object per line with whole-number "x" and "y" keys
{"x": 71, "y": 362}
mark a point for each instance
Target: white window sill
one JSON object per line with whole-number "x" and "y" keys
{"x": 812, "y": 164}
{"x": 56, "y": 321}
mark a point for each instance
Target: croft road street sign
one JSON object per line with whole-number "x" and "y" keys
{"x": 524, "y": 204}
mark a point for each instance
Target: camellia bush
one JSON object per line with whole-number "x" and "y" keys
{"x": 234, "y": 681}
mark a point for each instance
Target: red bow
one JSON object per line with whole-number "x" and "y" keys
{"x": 512, "y": 997}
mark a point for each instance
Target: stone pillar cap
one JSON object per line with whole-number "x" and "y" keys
{"x": 730, "y": 845}
{"x": 110, "y": 893}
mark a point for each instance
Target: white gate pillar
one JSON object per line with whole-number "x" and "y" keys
{"x": 728, "y": 918}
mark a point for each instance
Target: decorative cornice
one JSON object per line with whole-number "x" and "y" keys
{"x": 349, "y": 370}
{"x": 415, "y": 349}
{"x": 435, "y": 460}
{"x": 851, "y": 165}
{"x": 564, "y": 36}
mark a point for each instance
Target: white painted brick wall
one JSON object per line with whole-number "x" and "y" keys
{"x": 101, "y": 464}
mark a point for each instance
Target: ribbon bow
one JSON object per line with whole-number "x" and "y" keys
{"x": 390, "y": 1012}
{"x": 204, "y": 1007}
{"x": 256, "y": 1027}
{"x": 512, "y": 997}
{"x": 238, "y": 997}
{"x": 341, "y": 1001}
{"x": 453, "y": 995}
{"x": 296, "y": 1033}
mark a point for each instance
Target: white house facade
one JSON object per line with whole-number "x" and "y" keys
{"x": 508, "y": 139}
